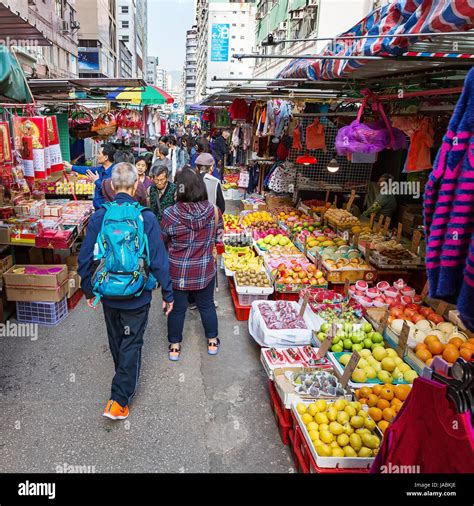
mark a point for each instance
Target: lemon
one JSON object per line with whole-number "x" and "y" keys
{"x": 350, "y": 410}
{"x": 312, "y": 409}
{"x": 301, "y": 408}
{"x": 362, "y": 430}
{"x": 323, "y": 426}
{"x": 365, "y": 452}
{"x": 323, "y": 450}
{"x": 370, "y": 441}
{"x": 342, "y": 417}
{"x": 321, "y": 404}
{"x": 306, "y": 418}
{"x": 337, "y": 452}
{"x": 355, "y": 441}
{"x": 336, "y": 428}
{"x": 362, "y": 413}
{"x": 334, "y": 444}
{"x": 342, "y": 440}
{"x": 331, "y": 414}
{"x": 369, "y": 424}
{"x": 357, "y": 422}
{"x": 348, "y": 428}
{"x": 349, "y": 451}
{"x": 340, "y": 404}
{"x": 326, "y": 436}
{"x": 314, "y": 435}
{"x": 312, "y": 426}
{"x": 321, "y": 418}
{"x": 356, "y": 405}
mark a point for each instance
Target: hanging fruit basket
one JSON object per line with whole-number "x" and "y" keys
{"x": 80, "y": 123}
{"x": 105, "y": 124}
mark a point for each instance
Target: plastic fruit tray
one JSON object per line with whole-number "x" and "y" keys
{"x": 282, "y": 416}
{"x": 42, "y": 313}
{"x": 241, "y": 312}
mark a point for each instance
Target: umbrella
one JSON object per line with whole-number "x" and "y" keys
{"x": 150, "y": 95}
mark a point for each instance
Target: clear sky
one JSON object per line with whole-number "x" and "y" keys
{"x": 168, "y": 21}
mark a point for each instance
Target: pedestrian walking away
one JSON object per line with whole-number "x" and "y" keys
{"x": 120, "y": 261}
{"x": 191, "y": 229}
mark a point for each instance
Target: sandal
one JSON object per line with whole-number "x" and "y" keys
{"x": 174, "y": 352}
{"x": 213, "y": 348}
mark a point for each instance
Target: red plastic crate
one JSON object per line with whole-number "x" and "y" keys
{"x": 283, "y": 425}
{"x": 241, "y": 312}
{"x": 74, "y": 300}
{"x": 286, "y": 413}
{"x": 304, "y": 460}
{"x": 286, "y": 296}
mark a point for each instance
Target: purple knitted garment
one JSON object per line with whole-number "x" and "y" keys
{"x": 449, "y": 211}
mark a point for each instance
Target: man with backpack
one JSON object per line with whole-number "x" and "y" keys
{"x": 120, "y": 261}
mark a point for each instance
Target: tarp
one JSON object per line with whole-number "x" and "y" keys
{"x": 12, "y": 79}
{"x": 399, "y": 17}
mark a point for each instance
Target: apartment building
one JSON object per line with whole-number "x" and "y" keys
{"x": 190, "y": 66}
{"x": 58, "y": 22}
{"x": 151, "y": 63}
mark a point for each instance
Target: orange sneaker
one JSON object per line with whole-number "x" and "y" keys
{"x": 114, "y": 411}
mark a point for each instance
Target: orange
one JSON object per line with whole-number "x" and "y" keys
{"x": 388, "y": 414}
{"x": 383, "y": 425}
{"x": 421, "y": 346}
{"x": 402, "y": 391}
{"x": 387, "y": 393}
{"x": 363, "y": 401}
{"x": 397, "y": 407}
{"x": 469, "y": 346}
{"x": 457, "y": 341}
{"x": 466, "y": 354}
{"x": 396, "y": 402}
{"x": 430, "y": 338}
{"x": 365, "y": 391}
{"x": 470, "y": 340}
{"x": 383, "y": 403}
{"x": 450, "y": 353}
{"x": 357, "y": 392}
{"x": 372, "y": 400}
{"x": 377, "y": 389}
{"x": 436, "y": 348}
{"x": 424, "y": 355}
{"x": 375, "y": 414}
{"x": 428, "y": 362}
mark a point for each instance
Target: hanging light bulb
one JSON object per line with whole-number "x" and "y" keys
{"x": 333, "y": 165}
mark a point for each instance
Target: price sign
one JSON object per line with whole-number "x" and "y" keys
{"x": 383, "y": 321}
{"x": 305, "y": 303}
{"x": 399, "y": 232}
{"x": 442, "y": 306}
{"x": 346, "y": 287}
{"x": 416, "y": 242}
{"x": 327, "y": 196}
{"x": 305, "y": 245}
{"x": 324, "y": 347}
{"x": 351, "y": 200}
{"x": 372, "y": 219}
{"x": 350, "y": 367}
{"x": 425, "y": 290}
{"x": 335, "y": 201}
{"x": 355, "y": 240}
{"x": 402, "y": 340}
{"x": 387, "y": 224}
{"x": 379, "y": 223}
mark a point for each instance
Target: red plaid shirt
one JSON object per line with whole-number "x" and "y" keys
{"x": 190, "y": 232}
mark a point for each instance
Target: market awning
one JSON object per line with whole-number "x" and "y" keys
{"x": 397, "y": 18}
{"x": 18, "y": 30}
{"x": 13, "y": 87}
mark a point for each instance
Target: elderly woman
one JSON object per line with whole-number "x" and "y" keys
{"x": 161, "y": 194}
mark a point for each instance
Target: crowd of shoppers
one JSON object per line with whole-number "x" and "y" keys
{"x": 154, "y": 226}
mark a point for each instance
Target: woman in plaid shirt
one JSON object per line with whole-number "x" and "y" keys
{"x": 190, "y": 230}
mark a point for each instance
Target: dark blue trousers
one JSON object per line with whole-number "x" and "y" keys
{"x": 125, "y": 329}
{"x": 204, "y": 300}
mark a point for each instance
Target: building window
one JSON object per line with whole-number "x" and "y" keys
{"x": 125, "y": 9}
{"x": 234, "y": 24}
{"x": 231, "y": 73}
{"x": 233, "y": 36}
{"x": 125, "y": 24}
{"x": 125, "y": 38}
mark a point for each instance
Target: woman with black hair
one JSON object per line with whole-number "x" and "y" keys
{"x": 191, "y": 229}
{"x": 142, "y": 166}
{"x": 182, "y": 153}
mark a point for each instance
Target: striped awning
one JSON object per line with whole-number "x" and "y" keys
{"x": 399, "y": 17}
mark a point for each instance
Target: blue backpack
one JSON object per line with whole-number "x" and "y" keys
{"x": 123, "y": 254}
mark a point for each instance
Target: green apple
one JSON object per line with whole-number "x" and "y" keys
{"x": 376, "y": 337}
{"x": 325, "y": 327}
{"x": 367, "y": 327}
{"x": 348, "y": 327}
{"x": 337, "y": 348}
{"x": 336, "y": 339}
{"x": 368, "y": 343}
{"x": 348, "y": 344}
{"x": 385, "y": 377}
{"x": 357, "y": 347}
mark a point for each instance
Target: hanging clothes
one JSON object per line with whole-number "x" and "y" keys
{"x": 238, "y": 110}
{"x": 428, "y": 433}
{"x": 419, "y": 155}
{"x": 448, "y": 211}
{"x": 315, "y": 136}
{"x": 297, "y": 138}
{"x": 223, "y": 119}
{"x": 283, "y": 178}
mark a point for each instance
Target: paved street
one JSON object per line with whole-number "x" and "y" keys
{"x": 203, "y": 414}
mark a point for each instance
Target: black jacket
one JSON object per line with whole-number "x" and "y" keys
{"x": 220, "y": 148}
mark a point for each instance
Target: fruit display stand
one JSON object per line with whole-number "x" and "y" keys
{"x": 282, "y": 416}
{"x": 241, "y": 312}
{"x": 247, "y": 293}
{"x": 360, "y": 463}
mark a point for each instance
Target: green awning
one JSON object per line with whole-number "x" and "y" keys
{"x": 13, "y": 85}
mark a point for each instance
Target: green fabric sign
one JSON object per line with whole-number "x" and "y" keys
{"x": 12, "y": 78}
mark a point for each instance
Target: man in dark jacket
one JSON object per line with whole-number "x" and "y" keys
{"x": 126, "y": 319}
{"x": 97, "y": 174}
{"x": 220, "y": 150}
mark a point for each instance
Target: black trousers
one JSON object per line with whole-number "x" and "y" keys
{"x": 125, "y": 329}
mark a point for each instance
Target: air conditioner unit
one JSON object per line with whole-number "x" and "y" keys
{"x": 297, "y": 14}
{"x": 64, "y": 26}
{"x": 283, "y": 26}
{"x": 75, "y": 25}
{"x": 312, "y": 3}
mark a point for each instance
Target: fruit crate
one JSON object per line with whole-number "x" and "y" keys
{"x": 282, "y": 416}
{"x": 73, "y": 301}
{"x": 294, "y": 297}
{"x": 42, "y": 313}
{"x": 241, "y": 312}
{"x": 304, "y": 460}
{"x": 248, "y": 294}
{"x": 340, "y": 275}
{"x": 314, "y": 463}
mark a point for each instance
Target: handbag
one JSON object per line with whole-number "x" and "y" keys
{"x": 216, "y": 224}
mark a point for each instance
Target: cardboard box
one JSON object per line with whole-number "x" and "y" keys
{"x": 4, "y": 235}
{"x": 5, "y": 264}
{"x": 72, "y": 262}
{"x": 247, "y": 206}
{"x": 74, "y": 283}
{"x": 274, "y": 201}
{"x": 36, "y": 287}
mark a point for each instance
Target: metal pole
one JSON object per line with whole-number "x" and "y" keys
{"x": 359, "y": 57}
